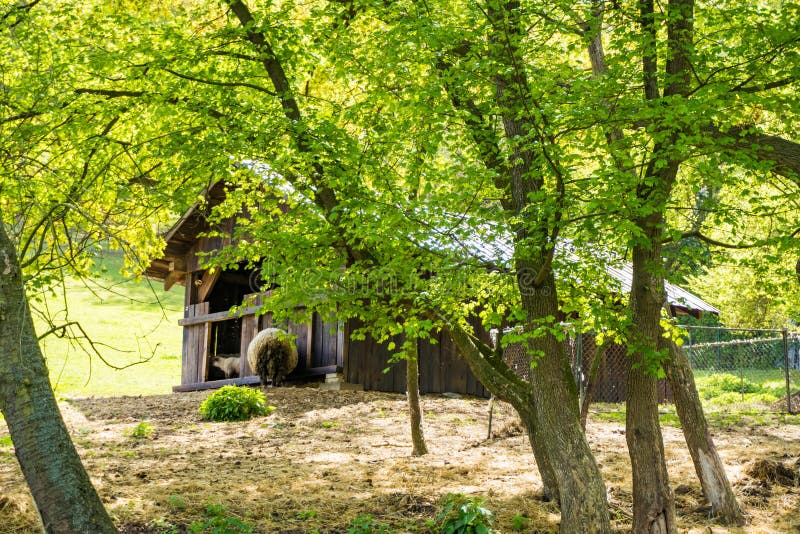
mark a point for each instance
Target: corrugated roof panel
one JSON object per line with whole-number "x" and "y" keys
{"x": 500, "y": 252}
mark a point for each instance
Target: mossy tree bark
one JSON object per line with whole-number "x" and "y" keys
{"x": 582, "y": 492}
{"x": 653, "y": 501}
{"x": 64, "y": 496}
{"x": 533, "y": 180}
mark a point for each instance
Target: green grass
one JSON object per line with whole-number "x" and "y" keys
{"x": 129, "y": 321}
{"x": 756, "y": 387}
{"x": 667, "y": 416}
{"x": 748, "y": 397}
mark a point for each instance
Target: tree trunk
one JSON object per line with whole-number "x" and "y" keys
{"x": 414, "y": 408}
{"x": 707, "y": 463}
{"x": 505, "y": 385}
{"x": 653, "y": 501}
{"x": 582, "y": 492}
{"x": 63, "y": 493}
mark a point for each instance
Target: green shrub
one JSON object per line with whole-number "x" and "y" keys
{"x": 234, "y": 403}
{"x": 176, "y": 502}
{"x": 143, "y": 430}
{"x": 464, "y": 515}
{"x": 219, "y": 522}
{"x": 728, "y": 397}
{"x": 775, "y": 388}
{"x": 760, "y": 398}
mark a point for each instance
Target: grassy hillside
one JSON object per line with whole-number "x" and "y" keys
{"x": 129, "y": 322}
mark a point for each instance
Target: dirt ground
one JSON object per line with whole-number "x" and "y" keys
{"x": 325, "y": 457}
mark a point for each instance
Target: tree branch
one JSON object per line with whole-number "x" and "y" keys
{"x": 324, "y": 196}
{"x": 110, "y": 93}
{"x": 784, "y": 155}
{"x": 221, "y": 84}
{"x": 743, "y": 88}
{"x": 705, "y": 239}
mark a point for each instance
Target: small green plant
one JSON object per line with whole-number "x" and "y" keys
{"x": 143, "y": 430}
{"x": 464, "y": 515}
{"x": 519, "y": 523}
{"x": 218, "y": 521}
{"x": 307, "y": 514}
{"x": 164, "y": 527}
{"x": 366, "y": 524}
{"x": 234, "y": 403}
{"x": 176, "y": 502}
{"x": 328, "y": 424}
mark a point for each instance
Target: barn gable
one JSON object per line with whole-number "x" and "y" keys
{"x": 324, "y": 344}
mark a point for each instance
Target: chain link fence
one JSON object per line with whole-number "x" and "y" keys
{"x": 745, "y": 368}
{"x": 733, "y": 368}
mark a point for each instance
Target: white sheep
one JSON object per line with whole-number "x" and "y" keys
{"x": 229, "y": 364}
{"x": 272, "y": 355}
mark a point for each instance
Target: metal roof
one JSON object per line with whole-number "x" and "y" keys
{"x": 494, "y": 248}
{"x": 472, "y": 237}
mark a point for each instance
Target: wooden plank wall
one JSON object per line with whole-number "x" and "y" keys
{"x": 207, "y": 244}
{"x": 365, "y": 361}
{"x": 325, "y": 340}
{"x": 441, "y": 367}
{"x": 323, "y": 346}
{"x": 302, "y": 331}
{"x": 196, "y": 340}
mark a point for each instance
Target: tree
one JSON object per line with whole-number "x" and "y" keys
{"x": 359, "y": 208}
{"x": 35, "y": 221}
{"x": 73, "y": 175}
{"x": 682, "y": 124}
{"x": 398, "y": 133}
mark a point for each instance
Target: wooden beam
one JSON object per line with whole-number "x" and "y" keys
{"x": 218, "y": 316}
{"x": 253, "y": 380}
{"x": 207, "y": 284}
{"x": 214, "y": 384}
{"x": 174, "y": 277}
{"x": 178, "y": 264}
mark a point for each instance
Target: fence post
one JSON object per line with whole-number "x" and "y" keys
{"x": 785, "y": 334}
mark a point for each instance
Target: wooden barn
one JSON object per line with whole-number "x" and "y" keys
{"x": 324, "y": 344}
